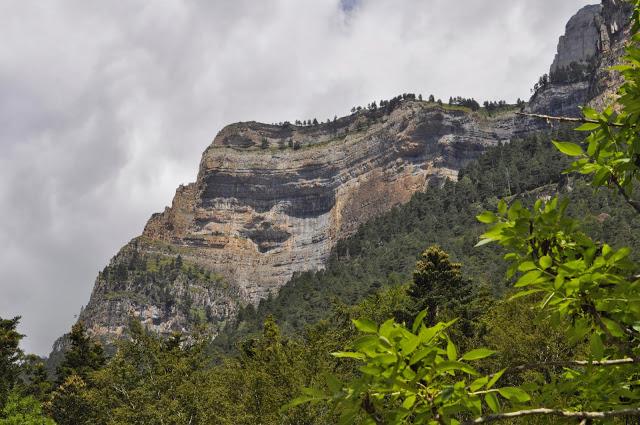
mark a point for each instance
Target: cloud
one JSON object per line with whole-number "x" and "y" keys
{"x": 106, "y": 107}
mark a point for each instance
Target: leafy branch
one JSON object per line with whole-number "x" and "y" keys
{"x": 554, "y": 412}
{"x": 574, "y": 363}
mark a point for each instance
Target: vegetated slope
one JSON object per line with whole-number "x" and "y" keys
{"x": 259, "y": 212}
{"x": 383, "y": 252}
{"x": 274, "y": 200}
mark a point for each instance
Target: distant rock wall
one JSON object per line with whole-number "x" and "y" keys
{"x": 270, "y": 201}
{"x": 594, "y": 40}
{"x": 258, "y": 212}
{"x": 582, "y": 39}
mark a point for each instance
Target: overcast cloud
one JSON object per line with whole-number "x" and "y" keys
{"x": 105, "y": 107}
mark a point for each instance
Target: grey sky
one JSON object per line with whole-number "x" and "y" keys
{"x": 105, "y": 107}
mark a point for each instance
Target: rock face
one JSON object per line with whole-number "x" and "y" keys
{"x": 593, "y": 41}
{"x": 582, "y": 40}
{"x": 270, "y": 201}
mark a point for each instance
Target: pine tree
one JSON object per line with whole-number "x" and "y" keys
{"x": 83, "y": 356}
{"x": 10, "y": 355}
{"x": 438, "y": 285}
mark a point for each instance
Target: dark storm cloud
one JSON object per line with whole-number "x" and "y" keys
{"x": 105, "y": 107}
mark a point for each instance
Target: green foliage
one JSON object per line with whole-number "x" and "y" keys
{"x": 582, "y": 279}
{"x": 567, "y": 338}
{"x": 70, "y": 405}
{"x": 20, "y": 410}
{"x": 588, "y": 289}
{"x": 34, "y": 377}
{"x": 383, "y": 251}
{"x": 438, "y": 286}
{"x": 412, "y": 376}
{"x": 150, "y": 380}
{"x": 82, "y": 357}
{"x": 268, "y": 373}
{"x": 10, "y": 354}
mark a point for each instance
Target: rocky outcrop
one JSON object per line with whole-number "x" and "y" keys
{"x": 582, "y": 40}
{"x": 593, "y": 41}
{"x": 270, "y": 201}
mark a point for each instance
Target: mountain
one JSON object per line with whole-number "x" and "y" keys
{"x": 594, "y": 41}
{"x": 271, "y": 201}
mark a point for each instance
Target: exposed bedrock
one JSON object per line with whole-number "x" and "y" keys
{"x": 270, "y": 201}
{"x": 258, "y": 215}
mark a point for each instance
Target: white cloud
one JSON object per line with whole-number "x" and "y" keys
{"x": 105, "y": 107}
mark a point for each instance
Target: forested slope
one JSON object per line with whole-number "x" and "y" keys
{"x": 383, "y": 252}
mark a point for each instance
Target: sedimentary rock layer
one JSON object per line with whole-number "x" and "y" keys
{"x": 270, "y": 201}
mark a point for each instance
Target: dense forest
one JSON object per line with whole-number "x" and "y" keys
{"x": 509, "y": 295}
{"x": 389, "y": 268}
{"x": 383, "y": 251}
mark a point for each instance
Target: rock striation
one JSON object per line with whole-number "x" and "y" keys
{"x": 272, "y": 200}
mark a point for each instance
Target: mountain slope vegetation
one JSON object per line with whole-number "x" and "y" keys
{"x": 383, "y": 251}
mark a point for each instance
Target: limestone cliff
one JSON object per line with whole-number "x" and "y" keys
{"x": 270, "y": 200}
{"x": 594, "y": 40}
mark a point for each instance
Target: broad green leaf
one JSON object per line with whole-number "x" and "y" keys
{"x": 613, "y": 327}
{"x": 421, "y": 354}
{"x": 528, "y": 278}
{"x": 521, "y": 294}
{"x": 597, "y": 348}
{"x": 477, "y": 354}
{"x": 545, "y": 262}
{"x": 487, "y": 217}
{"x": 492, "y": 402}
{"x": 384, "y": 359}
{"x": 409, "y": 344}
{"x": 569, "y": 148}
{"x": 386, "y": 328}
{"x": 451, "y": 365}
{"x": 427, "y": 334}
{"x": 527, "y": 266}
{"x": 590, "y": 113}
{"x": 364, "y": 342}
{"x": 502, "y": 207}
{"x": 621, "y": 254}
{"x": 621, "y": 68}
{"x": 601, "y": 176}
{"x": 297, "y": 401}
{"x": 370, "y": 370}
{"x": 495, "y": 378}
{"x": 365, "y": 325}
{"x": 589, "y": 126}
{"x": 479, "y": 383}
{"x": 385, "y": 341}
{"x": 409, "y": 402}
{"x": 483, "y": 242}
{"x": 418, "y": 320}
{"x": 452, "y": 353}
{"x": 514, "y": 394}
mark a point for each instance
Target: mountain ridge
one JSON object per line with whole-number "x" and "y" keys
{"x": 273, "y": 200}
